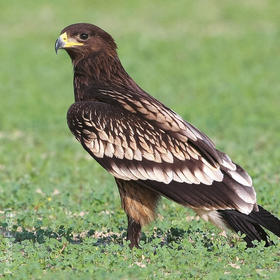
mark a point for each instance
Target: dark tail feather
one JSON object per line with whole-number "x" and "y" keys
{"x": 251, "y": 225}
{"x": 267, "y": 220}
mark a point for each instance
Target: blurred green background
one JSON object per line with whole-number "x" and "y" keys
{"x": 214, "y": 62}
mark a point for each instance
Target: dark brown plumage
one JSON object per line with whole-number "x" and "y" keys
{"x": 149, "y": 149}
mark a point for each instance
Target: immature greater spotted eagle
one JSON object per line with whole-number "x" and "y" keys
{"x": 149, "y": 149}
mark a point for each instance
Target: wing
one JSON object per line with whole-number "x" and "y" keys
{"x": 156, "y": 113}
{"x": 131, "y": 147}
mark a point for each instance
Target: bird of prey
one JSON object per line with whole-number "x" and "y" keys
{"x": 149, "y": 149}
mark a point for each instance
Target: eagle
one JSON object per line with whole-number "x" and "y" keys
{"x": 149, "y": 149}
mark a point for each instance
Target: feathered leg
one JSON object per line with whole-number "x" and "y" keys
{"x": 133, "y": 232}
{"x": 139, "y": 203}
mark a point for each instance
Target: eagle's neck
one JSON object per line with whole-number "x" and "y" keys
{"x": 98, "y": 72}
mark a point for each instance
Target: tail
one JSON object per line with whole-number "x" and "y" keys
{"x": 251, "y": 225}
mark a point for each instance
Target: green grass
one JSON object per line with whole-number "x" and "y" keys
{"x": 216, "y": 63}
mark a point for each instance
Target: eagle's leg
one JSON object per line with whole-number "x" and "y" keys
{"x": 133, "y": 232}
{"x": 139, "y": 203}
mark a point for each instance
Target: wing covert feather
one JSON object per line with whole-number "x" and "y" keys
{"x": 109, "y": 134}
{"x": 132, "y": 148}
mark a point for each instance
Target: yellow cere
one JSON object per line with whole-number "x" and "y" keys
{"x": 69, "y": 42}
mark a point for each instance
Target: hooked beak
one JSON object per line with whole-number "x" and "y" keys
{"x": 59, "y": 44}
{"x": 64, "y": 42}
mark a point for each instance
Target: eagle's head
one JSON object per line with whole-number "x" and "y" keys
{"x": 83, "y": 39}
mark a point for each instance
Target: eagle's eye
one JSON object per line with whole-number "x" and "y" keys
{"x": 83, "y": 36}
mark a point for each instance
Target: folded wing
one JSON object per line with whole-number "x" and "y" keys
{"x": 181, "y": 163}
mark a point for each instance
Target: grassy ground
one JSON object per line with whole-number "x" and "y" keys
{"x": 216, "y": 63}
